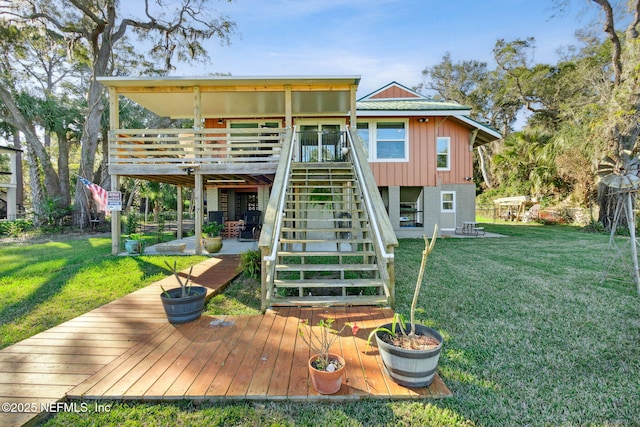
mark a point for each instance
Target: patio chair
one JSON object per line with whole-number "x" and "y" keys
{"x": 250, "y": 226}
{"x": 217, "y": 216}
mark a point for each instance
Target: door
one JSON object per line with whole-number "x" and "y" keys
{"x": 447, "y": 210}
{"x": 319, "y": 142}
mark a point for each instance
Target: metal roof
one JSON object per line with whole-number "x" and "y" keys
{"x": 410, "y": 104}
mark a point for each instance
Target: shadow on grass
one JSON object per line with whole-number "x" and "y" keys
{"x": 76, "y": 276}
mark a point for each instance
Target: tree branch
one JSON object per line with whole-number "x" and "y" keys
{"x": 609, "y": 28}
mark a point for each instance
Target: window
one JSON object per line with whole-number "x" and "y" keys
{"x": 385, "y": 141}
{"x": 390, "y": 141}
{"x": 448, "y": 201}
{"x": 443, "y": 150}
{"x": 363, "y": 131}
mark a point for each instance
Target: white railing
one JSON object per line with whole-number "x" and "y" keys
{"x": 369, "y": 204}
{"x": 198, "y": 146}
{"x": 272, "y": 225}
{"x": 384, "y": 237}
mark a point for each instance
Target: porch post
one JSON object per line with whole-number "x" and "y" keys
{"x": 352, "y": 107}
{"x": 114, "y": 123}
{"x": 288, "y": 109}
{"x": 179, "y": 213}
{"x": 197, "y": 116}
{"x": 115, "y": 219}
{"x": 197, "y": 201}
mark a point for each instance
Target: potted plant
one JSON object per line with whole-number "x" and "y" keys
{"x": 134, "y": 244}
{"x": 185, "y": 303}
{"x": 325, "y": 369}
{"x": 410, "y": 357}
{"x": 212, "y": 242}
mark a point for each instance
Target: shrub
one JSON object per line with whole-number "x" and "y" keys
{"x": 250, "y": 263}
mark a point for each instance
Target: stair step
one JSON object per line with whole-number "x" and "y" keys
{"x": 328, "y": 241}
{"x": 325, "y": 253}
{"x": 326, "y": 267}
{"x": 327, "y": 229}
{"x": 354, "y": 211}
{"x": 377, "y": 300}
{"x": 342, "y": 283}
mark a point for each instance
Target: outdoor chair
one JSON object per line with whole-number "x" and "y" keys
{"x": 250, "y": 226}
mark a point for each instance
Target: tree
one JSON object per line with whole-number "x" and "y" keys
{"x": 96, "y": 25}
{"x": 621, "y": 129}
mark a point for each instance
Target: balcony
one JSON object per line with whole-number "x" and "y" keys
{"x": 221, "y": 155}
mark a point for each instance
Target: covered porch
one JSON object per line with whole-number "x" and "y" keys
{"x": 240, "y": 126}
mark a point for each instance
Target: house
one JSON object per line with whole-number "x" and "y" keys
{"x": 330, "y": 177}
{"x": 9, "y": 184}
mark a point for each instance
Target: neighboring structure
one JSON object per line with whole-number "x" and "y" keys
{"x": 323, "y": 169}
{"x": 9, "y": 185}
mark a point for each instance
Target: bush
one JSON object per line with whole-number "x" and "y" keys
{"x": 15, "y": 228}
{"x": 250, "y": 263}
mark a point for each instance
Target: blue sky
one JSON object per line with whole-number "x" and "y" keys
{"x": 382, "y": 40}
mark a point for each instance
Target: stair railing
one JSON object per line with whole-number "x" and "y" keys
{"x": 384, "y": 237}
{"x": 272, "y": 225}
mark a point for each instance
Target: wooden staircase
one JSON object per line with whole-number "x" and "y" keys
{"x": 325, "y": 254}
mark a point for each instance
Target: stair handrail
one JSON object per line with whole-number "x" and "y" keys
{"x": 287, "y": 150}
{"x": 366, "y": 180}
{"x": 273, "y": 218}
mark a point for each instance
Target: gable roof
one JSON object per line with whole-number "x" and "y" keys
{"x": 396, "y": 100}
{"x": 392, "y": 90}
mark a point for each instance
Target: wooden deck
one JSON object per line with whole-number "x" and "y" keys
{"x": 126, "y": 350}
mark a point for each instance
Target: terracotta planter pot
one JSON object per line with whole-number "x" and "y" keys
{"x": 325, "y": 382}
{"x": 410, "y": 368}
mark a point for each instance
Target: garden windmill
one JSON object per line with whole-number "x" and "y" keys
{"x": 621, "y": 174}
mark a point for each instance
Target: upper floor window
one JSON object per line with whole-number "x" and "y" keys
{"x": 385, "y": 141}
{"x": 443, "y": 153}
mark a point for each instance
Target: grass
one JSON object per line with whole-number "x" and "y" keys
{"x": 46, "y": 283}
{"x": 533, "y": 336}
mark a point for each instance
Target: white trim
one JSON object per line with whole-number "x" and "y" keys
{"x": 373, "y": 140}
{"x": 475, "y": 124}
{"x": 453, "y": 209}
{"x": 364, "y": 114}
{"x": 448, "y": 167}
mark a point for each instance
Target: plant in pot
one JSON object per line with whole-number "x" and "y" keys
{"x": 325, "y": 369}
{"x": 185, "y": 303}
{"x": 410, "y": 356}
{"x": 134, "y": 244}
{"x": 212, "y": 242}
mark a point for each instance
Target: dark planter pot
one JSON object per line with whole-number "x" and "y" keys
{"x": 410, "y": 368}
{"x": 182, "y": 310}
{"x": 325, "y": 382}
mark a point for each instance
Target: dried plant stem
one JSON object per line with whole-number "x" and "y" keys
{"x": 428, "y": 247}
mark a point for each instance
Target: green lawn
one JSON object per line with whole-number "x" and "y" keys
{"x": 532, "y": 335}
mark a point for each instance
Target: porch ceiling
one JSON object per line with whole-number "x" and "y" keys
{"x": 225, "y": 96}
{"x": 218, "y": 180}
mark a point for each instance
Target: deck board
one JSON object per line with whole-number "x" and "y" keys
{"x": 127, "y": 350}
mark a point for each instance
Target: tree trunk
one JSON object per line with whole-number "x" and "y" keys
{"x": 37, "y": 190}
{"x": 38, "y": 156}
{"x": 482, "y": 153}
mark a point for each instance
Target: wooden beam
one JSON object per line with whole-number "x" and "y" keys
{"x": 197, "y": 200}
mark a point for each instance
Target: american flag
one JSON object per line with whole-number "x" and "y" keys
{"x": 99, "y": 193}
